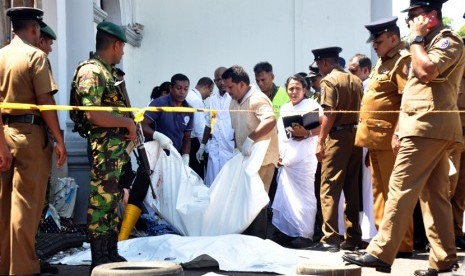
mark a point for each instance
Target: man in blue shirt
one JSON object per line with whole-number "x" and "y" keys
{"x": 167, "y": 128}
{"x": 175, "y": 125}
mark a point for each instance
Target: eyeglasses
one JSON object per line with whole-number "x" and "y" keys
{"x": 218, "y": 80}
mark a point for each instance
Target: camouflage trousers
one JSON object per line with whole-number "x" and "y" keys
{"x": 109, "y": 157}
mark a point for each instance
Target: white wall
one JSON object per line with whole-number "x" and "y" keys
{"x": 72, "y": 21}
{"x": 195, "y": 37}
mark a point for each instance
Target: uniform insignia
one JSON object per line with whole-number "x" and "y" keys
{"x": 186, "y": 120}
{"x": 443, "y": 43}
{"x": 322, "y": 91}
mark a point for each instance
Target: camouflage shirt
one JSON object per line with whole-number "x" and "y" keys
{"x": 95, "y": 86}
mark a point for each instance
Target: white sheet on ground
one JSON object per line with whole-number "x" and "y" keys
{"x": 232, "y": 252}
{"x": 233, "y": 201}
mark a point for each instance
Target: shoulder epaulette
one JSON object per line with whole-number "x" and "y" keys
{"x": 404, "y": 53}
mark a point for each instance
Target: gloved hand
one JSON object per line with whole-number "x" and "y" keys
{"x": 247, "y": 147}
{"x": 185, "y": 159}
{"x": 164, "y": 141}
{"x": 200, "y": 152}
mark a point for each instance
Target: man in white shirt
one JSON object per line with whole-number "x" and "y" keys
{"x": 221, "y": 139}
{"x": 195, "y": 98}
{"x": 360, "y": 65}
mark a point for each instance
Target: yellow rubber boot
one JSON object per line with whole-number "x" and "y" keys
{"x": 131, "y": 215}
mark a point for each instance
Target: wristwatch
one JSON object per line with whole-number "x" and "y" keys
{"x": 418, "y": 40}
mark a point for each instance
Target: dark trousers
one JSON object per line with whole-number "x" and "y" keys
{"x": 273, "y": 188}
{"x": 259, "y": 225}
{"x": 319, "y": 216}
{"x": 193, "y": 163}
{"x": 139, "y": 189}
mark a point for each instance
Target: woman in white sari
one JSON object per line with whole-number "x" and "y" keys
{"x": 295, "y": 205}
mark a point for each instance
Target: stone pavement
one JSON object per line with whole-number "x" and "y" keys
{"x": 408, "y": 266}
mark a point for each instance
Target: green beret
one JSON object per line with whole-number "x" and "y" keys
{"x": 112, "y": 29}
{"x": 47, "y": 31}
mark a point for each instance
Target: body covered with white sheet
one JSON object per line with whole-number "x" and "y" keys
{"x": 228, "y": 207}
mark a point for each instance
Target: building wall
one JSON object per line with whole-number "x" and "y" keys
{"x": 195, "y": 37}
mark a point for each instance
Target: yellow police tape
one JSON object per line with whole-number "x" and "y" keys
{"x": 139, "y": 112}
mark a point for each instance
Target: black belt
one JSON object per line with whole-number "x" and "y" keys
{"x": 25, "y": 119}
{"x": 342, "y": 127}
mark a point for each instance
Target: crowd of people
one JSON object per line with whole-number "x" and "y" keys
{"x": 399, "y": 118}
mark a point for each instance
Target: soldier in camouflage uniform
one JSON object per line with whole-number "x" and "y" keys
{"x": 96, "y": 84}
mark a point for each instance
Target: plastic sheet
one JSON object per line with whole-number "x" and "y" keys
{"x": 63, "y": 196}
{"x": 231, "y": 253}
{"x": 229, "y": 206}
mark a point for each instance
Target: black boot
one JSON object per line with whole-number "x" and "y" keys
{"x": 99, "y": 252}
{"x": 45, "y": 267}
{"x": 113, "y": 249}
{"x": 460, "y": 242}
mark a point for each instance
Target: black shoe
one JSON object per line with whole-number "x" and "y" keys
{"x": 404, "y": 255}
{"x": 353, "y": 246}
{"x": 45, "y": 267}
{"x": 460, "y": 242}
{"x": 428, "y": 272}
{"x": 281, "y": 238}
{"x": 435, "y": 272}
{"x": 367, "y": 260}
{"x": 333, "y": 248}
{"x": 299, "y": 243}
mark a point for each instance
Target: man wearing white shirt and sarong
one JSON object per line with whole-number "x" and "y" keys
{"x": 220, "y": 136}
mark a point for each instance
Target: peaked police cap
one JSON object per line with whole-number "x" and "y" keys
{"x": 377, "y": 28}
{"x": 25, "y": 13}
{"x": 436, "y": 4}
{"x": 326, "y": 52}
